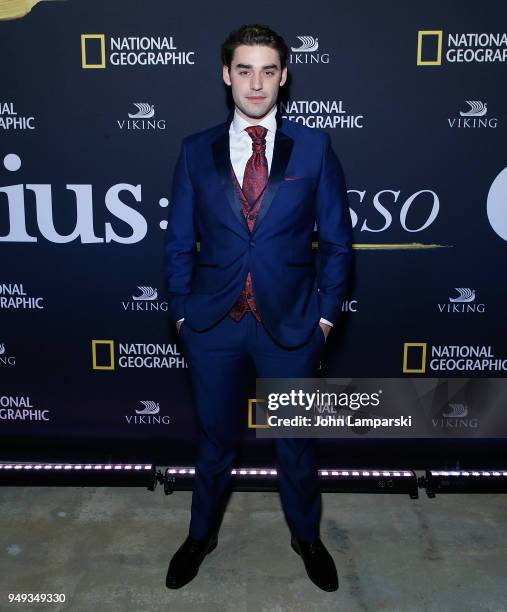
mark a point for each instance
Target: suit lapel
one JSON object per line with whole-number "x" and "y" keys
{"x": 281, "y": 154}
{"x": 222, "y": 158}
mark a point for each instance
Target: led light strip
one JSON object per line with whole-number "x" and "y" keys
{"x": 72, "y": 466}
{"x": 235, "y": 472}
{"x": 366, "y": 473}
{"x": 468, "y": 473}
{"x": 328, "y": 473}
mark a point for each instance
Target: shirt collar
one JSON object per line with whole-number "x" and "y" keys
{"x": 269, "y": 122}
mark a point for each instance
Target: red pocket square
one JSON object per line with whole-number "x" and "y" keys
{"x": 292, "y": 178}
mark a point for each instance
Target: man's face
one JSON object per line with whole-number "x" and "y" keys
{"x": 255, "y": 77}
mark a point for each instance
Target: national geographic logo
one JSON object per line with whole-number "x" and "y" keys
{"x": 429, "y": 47}
{"x": 320, "y": 114}
{"x": 124, "y": 51}
{"x": 464, "y": 47}
{"x": 14, "y": 297}
{"x": 93, "y": 45}
{"x": 450, "y": 358}
{"x": 9, "y": 119}
{"x": 414, "y": 357}
{"x": 252, "y": 421}
{"x": 21, "y": 408}
{"x": 105, "y": 355}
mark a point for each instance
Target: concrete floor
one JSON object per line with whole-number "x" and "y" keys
{"x": 108, "y": 549}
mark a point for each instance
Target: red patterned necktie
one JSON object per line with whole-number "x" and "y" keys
{"x": 256, "y": 169}
{"x": 255, "y": 180}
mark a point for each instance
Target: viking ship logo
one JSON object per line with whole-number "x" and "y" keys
{"x": 456, "y": 411}
{"x": 144, "y": 111}
{"x": 150, "y": 407}
{"x": 465, "y": 295}
{"x": 308, "y": 44}
{"x": 477, "y": 109}
{"x": 147, "y": 293}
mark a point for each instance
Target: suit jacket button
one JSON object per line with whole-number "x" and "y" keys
{"x": 252, "y": 243}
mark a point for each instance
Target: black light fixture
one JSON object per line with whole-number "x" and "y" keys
{"x": 43, "y": 473}
{"x": 179, "y": 478}
{"x": 332, "y": 480}
{"x": 465, "y": 481}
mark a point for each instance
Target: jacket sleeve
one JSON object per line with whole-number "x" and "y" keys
{"x": 335, "y": 235}
{"x": 179, "y": 243}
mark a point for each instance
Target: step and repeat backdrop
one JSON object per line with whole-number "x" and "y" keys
{"x": 95, "y": 98}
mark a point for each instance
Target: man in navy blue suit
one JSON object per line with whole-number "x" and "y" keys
{"x": 251, "y": 191}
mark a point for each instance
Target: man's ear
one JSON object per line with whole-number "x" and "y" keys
{"x": 226, "y": 75}
{"x": 284, "y": 77}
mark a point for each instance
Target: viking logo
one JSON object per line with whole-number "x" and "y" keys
{"x": 308, "y": 44}
{"x": 147, "y": 293}
{"x": 465, "y": 302}
{"x": 456, "y": 417}
{"x": 2, "y": 348}
{"x": 149, "y": 407}
{"x": 477, "y": 109}
{"x": 465, "y": 295}
{"x": 456, "y": 411}
{"x": 144, "y": 111}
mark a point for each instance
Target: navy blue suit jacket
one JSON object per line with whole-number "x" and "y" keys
{"x": 292, "y": 287}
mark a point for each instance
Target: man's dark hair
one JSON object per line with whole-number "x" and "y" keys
{"x": 254, "y": 34}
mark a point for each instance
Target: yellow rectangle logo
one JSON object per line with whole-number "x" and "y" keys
{"x": 251, "y": 423}
{"x": 421, "y": 35}
{"x": 102, "y": 43}
{"x": 417, "y": 352}
{"x": 107, "y": 366}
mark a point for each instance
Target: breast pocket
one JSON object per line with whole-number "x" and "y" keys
{"x": 297, "y": 192}
{"x": 298, "y": 183}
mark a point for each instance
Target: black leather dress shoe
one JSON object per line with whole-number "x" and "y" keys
{"x": 318, "y": 562}
{"x": 186, "y": 561}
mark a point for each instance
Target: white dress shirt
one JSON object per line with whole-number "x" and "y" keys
{"x": 240, "y": 145}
